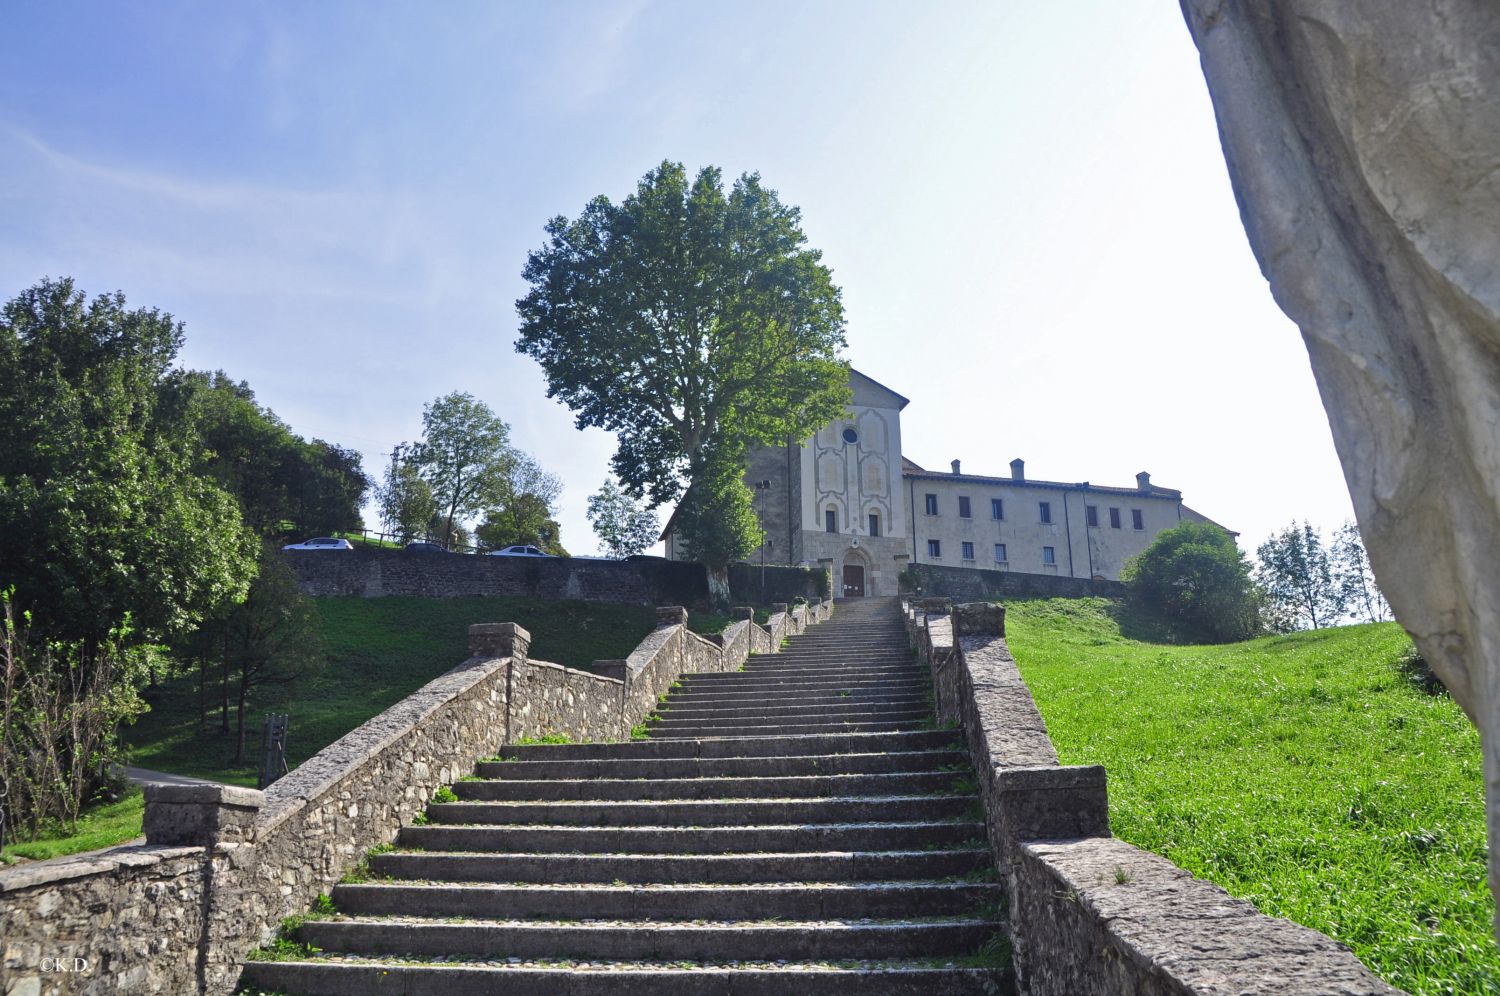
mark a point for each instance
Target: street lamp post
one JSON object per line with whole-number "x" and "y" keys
{"x": 761, "y": 487}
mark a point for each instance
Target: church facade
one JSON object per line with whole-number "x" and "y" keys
{"x": 847, "y": 500}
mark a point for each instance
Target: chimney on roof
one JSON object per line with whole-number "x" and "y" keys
{"x": 1143, "y": 481}
{"x": 955, "y": 466}
{"x": 1018, "y": 469}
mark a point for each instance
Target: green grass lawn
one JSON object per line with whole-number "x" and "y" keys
{"x": 102, "y": 826}
{"x": 1304, "y": 773}
{"x": 379, "y": 650}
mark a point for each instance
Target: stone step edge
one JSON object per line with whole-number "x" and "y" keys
{"x": 905, "y": 755}
{"x": 668, "y": 858}
{"x": 638, "y": 968}
{"x": 697, "y": 925}
{"x": 812, "y": 828}
{"x": 874, "y": 885}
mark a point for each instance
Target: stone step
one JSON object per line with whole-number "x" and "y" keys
{"x": 840, "y": 696}
{"x": 852, "y": 712}
{"x": 698, "y": 732}
{"x": 827, "y": 671}
{"x": 770, "y": 746}
{"x": 838, "y": 866}
{"x": 848, "y": 900}
{"x": 783, "y": 669}
{"x": 800, "y": 660}
{"x": 792, "y": 703}
{"x": 792, "y": 693}
{"x": 750, "y": 683}
{"x": 362, "y": 977}
{"x": 800, "y": 786}
{"x": 695, "y": 813}
{"x": 797, "y": 940}
{"x": 690, "y": 840}
{"x": 725, "y": 767}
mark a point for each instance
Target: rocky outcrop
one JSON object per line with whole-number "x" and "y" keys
{"x": 1363, "y": 142}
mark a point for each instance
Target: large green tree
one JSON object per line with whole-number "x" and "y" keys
{"x": 1195, "y": 577}
{"x": 693, "y": 322}
{"x": 281, "y": 480}
{"x": 465, "y": 457}
{"x": 103, "y": 515}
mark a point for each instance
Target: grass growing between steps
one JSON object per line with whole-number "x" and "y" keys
{"x": 1304, "y": 773}
{"x": 379, "y": 650}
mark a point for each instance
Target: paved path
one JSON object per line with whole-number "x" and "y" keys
{"x": 145, "y": 776}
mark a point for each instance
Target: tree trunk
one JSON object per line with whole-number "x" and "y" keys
{"x": 718, "y": 587}
{"x": 239, "y": 750}
{"x": 202, "y": 692}
{"x": 224, "y": 696}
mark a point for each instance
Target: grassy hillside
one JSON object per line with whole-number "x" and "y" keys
{"x": 379, "y": 650}
{"x": 1304, "y": 773}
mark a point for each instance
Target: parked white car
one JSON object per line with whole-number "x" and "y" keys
{"x": 321, "y": 543}
{"x": 519, "y": 551}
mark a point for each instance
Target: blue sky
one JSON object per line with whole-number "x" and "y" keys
{"x": 1025, "y": 206}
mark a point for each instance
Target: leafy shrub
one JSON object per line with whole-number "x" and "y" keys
{"x": 1196, "y": 578}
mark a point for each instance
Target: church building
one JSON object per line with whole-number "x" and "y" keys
{"x": 847, "y": 500}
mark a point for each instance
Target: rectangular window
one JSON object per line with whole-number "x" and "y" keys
{"x": 968, "y": 551}
{"x": 934, "y": 548}
{"x": 963, "y": 507}
{"x": 999, "y": 553}
{"x": 1046, "y": 509}
{"x": 874, "y": 524}
{"x": 1092, "y": 513}
{"x": 1137, "y": 520}
{"x": 1114, "y": 518}
{"x": 932, "y": 504}
{"x": 997, "y": 508}
{"x": 830, "y": 521}
{"x": 1049, "y": 555}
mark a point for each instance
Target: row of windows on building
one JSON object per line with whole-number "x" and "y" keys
{"x": 966, "y": 552}
{"x": 997, "y": 512}
{"x": 1044, "y": 512}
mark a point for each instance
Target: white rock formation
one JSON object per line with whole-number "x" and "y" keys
{"x": 1363, "y": 142}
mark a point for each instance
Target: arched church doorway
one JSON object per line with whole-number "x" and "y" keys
{"x": 855, "y": 575}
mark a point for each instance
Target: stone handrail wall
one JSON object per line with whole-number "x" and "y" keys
{"x": 1091, "y": 914}
{"x": 222, "y": 865}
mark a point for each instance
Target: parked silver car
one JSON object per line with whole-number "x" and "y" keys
{"x": 321, "y": 543}
{"x": 518, "y": 551}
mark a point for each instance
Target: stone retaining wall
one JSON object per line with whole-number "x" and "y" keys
{"x": 966, "y": 583}
{"x": 1091, "y": 914}
{"x": 372, "y": 572}
{"x": 221, "y": 865}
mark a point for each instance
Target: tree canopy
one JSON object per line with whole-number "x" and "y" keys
{"x": 689, "y": 320}
{"x": 1298, "y": 577}
{"x": 465, "y": 466}
{"x": 279, "y": 478}
{"x": 103, "y": 515}
{"x": 464, "y": 455}
{"x": 622, "y": 525}
{"x": 1195, "y": 576}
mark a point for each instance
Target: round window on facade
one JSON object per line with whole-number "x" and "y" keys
{"x": 850, "y": 436}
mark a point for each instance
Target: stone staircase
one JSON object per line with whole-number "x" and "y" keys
{"x": 793, "y": 828}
